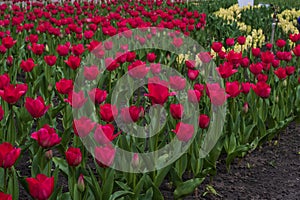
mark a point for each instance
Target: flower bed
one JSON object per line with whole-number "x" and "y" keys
{"x": 119, "y": 97}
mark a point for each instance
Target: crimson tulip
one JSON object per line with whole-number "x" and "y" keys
{"x": 241, "y": 40}
{"x": 73, "y": 156}
{"x": 296, "y": 50}
{"x": 76, "y": 100}
{"x": 255, "y": 52}
{"x": 36, "y": 107}
{"x": 83, "y": 126}
{"x": 203, "y": 121}
{"x": 138, "y": 69}
{"x": 290, "y": 70}
{"x": 155, "y": 68}
{"x": 184, "y": 132}
{"x": 91, "y": 73}
{"x": 8, "y": 42}
{"x": 4, "y": 81}
{"x": 50, "y": 60}
{"x": 217, "y": 46}
{"x": 131, "y": 114}
{"x": 194, "y": 96}
{"x": 177, "y": 82}
{"x": 46, "y": 137}
{"x": 73, "y": 62}
{"x": 262, "y": 89}
{"x": 97, "y": 95}
{"x": 226, "y": 70}
{"x": 38, "y": 49}
{"x": 105, "y": 155}
{"x": 280, "y": 43}
{"x": 158, "y": 90}
{"x": 27, "y": 65}
{"x": 176, "y": 111}
{"x": 280, "y": 72}
{"x": 64, "y": 86}
{"x": 216, "y": 94}
{"x": 41, "y": 187}
{"x": 62, "y": 50}
{"x": 8, "y": 155}
{"x": 104, "y": 134}
{"x": 12, "y": 93}
{"x": 4, "y": 196}
{"x": 151, "y": 57}
{"x": 233, "y": 89}
{"x": 108, "y": 112}
{"x": 193, "y": 74}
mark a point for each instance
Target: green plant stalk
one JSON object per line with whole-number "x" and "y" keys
{"x": 4, "y": 181}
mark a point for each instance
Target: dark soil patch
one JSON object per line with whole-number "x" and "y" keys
{"x": 270, "y": 172}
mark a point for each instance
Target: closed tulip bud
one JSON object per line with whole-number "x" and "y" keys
{"x": 49, "y": 154}
{"x": 47, "y": 48}
{"x": 285, "y": 83}
{"x": 135, "y": 160}
{"x": 246, "y": 107}
{"x": 276, "y": 99}
{"x": 80, "y": 183}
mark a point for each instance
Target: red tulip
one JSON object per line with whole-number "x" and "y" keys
{"x": 280, "y": 43}
{"x": 12, "y": 93}
{"x": 222, "y": 54}
{"x": 108, "y": 112}
{"x": 244, "y": 62}
{"x": 41, "y": 187}
{"x": 83, "y": 126}
{"x": 177, "y": 82}
{"x": 205, "y": 57}
{"x": 88, "y": 34}
{"x": 296, "y": 50}
{"x": 138, "y": 69}
{"x": 4, "y": 196}
{"x": 32, "y": 38}
{"x": 287, "y": 56}
{"x": 36, "y": 107}
{"x": 73, "y": 156}
{"x": 262, "y": 77}
{"x": 256, "y": 52}
{"x": 111, "y": 64}
{"x": 80, "y": 183}
{"x": 230, "y": 42}
{"x": 246, "y": 87}
{"x": 76, "y": 100}
{"x": 8, "y": 42}
{"x": 241, "y": 40}
{"x": 158, "y": 90}
{"x": 50, "y": 60}
{"x": 97, "y": 95}
{"x": 233, "y": 89}
{"x": 176, "y": 111}
{"x": 177, "y": 42}
{"x": 46, "y": 137}
{"x": 280, "y": 73}
{"x": 290, "y": 70}
{"x": 234, "y": 57}
{"x": 262, "y": 89}
{"x": 226, "y": 70}
{"x": 4, "y": 81}
{"x": 27, "y": 65}
{"x": 9, "y": 61}
{"x": 108, "y": 45}
{"x": 105, "y": 155}
{"x": 256, "y": 68}
{"x": 203, "y": 121}
{"x": 8, "y": 155}
{"x": 216, "y": 94}
{"x": 275, "y": 63}
{"x": 194, "y": 96}
{"x": 38, "y": 49}
{"x": 62, "y": 50}
{"x": 73, "y": 62}
{"x": 104, "y": 134}
{"x": 184, "y": 132}
{"x": 190, "y": 64}
{"x": 64, "y": 86}
{"x": 199, "y": 87}
{"x": 2, "y": 49}
{"x": 151, "y": 57}
{"x": 193, "y": 74}
{"x": 91, "y": 73}
{"x": 217, "y": 46}
{"x": 130, "y": 56}
{"x": 155, "y": 68}
{"x": 267, "y": 57}
{"x": 78, "y": 49}
{"x": 131, "y": 114}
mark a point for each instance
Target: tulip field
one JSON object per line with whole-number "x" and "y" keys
{"x": 114, "y": 99}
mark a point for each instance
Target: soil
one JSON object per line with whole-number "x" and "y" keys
{"x": 270, "y": 172}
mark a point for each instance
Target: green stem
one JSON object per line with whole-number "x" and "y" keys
{"x": 4, "y": 181}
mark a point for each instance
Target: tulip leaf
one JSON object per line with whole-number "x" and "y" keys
{"x": 108, "y": 183}
{"x": 13, "y": 185}
{"x": 119, "y": 194}
{"x": 187, "y": 187}
{"x": 61, "y": 164}
{"x": 161, "y": 174}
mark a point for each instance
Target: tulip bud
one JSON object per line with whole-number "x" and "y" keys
{"x": 276, "y": 99}
{"x": 47, "y": 48}
{"x": 135, "y": 160}
{"x": 49, "y": 154}
{"x": 285, "y": 83}
{"x": 50, "y": 87}
{"x": 246, "y": 107}
{"x": 80, "y": 183}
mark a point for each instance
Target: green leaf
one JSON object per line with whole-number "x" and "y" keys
{"x": 61, "y": 164}
{"x": 119, "y": 194}
{"x": 187, "y": 187}
{"x": 13, "y": 185}
{"x": 108, "y": 183}
{"x": 161, "y": 174}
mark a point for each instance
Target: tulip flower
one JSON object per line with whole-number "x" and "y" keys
{"x": 131, "y": 114}
{"x": 194, "y": 96}
{"x": 177, "y": 82}
{"x": 64, "y": 86}
{"x": 155, "y": 68}
{"x": 241, "y": 40}
{"x": 105, "y": 155}
{"x": 46, "y": 137}
{"x": 73, "y": 62}
{"x": 8, "y": 42}
{"x": 193, "y": 74}
{"x": 8, "y": 155}
{"x": 184, "y": 132}
{"x": 4, "y": 196}
{"x": 50, "y": 60}
{"x": 41, "y": 187}
{"x": 83, "y": 126}
{"x": 216, "y": 94}
{"x": 76, "y": 100}
{"x": 233, "y": 89}
{"x": 217, "y": 46}
{"x": 151, "y": 57}
{"x": 73, "y": 156}
{"x": 230, "y": 42}
{"x": 158, "y": 90}
{"x": 91, "y": 73}
{"x": 27, "y": 65}
{"x": 262, "y": 89}
{"x": 97, "y": 95}
{"x": 36, "y": 107}
{"x": 80, "y": 183}
{"x": 4, "y": 81}
{"x": 280, "y": 73}
{"x": 138, "y": 69}
{"x": 62, "y": 50}
{"x": 176, "y": 111}
{"x": 203, "y": 121}
{"x": 226, "y": 70}
{"x": 108, "y": 112}
{"x": 12, "y": 93}
{"x": 38, "y": 49}
{"x": 255, "y": 52}
{"x": 104, "y": 134}
{"x": 280, "y": 43}
{"x": 78, "y": 49}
